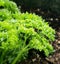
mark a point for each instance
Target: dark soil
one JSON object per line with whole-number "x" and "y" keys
{"x": 36, "y": 57}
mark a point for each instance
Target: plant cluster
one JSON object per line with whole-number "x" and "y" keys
{"x": 21, "y": 32}
{"x": 7, "y": 9}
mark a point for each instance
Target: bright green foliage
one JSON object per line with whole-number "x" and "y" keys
{"x": 20, "y": 32}
{"x": 7, "y": 9}
{"x": 11, "y": 6}
{"x": 5, "y": 14}
{"x": 18, "y": 36}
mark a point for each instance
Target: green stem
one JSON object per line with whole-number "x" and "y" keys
{"x": 20, "y": 54}
{"x": 2, "y": 56}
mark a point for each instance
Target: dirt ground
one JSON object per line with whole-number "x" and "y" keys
{"x": 36, "y": 57}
